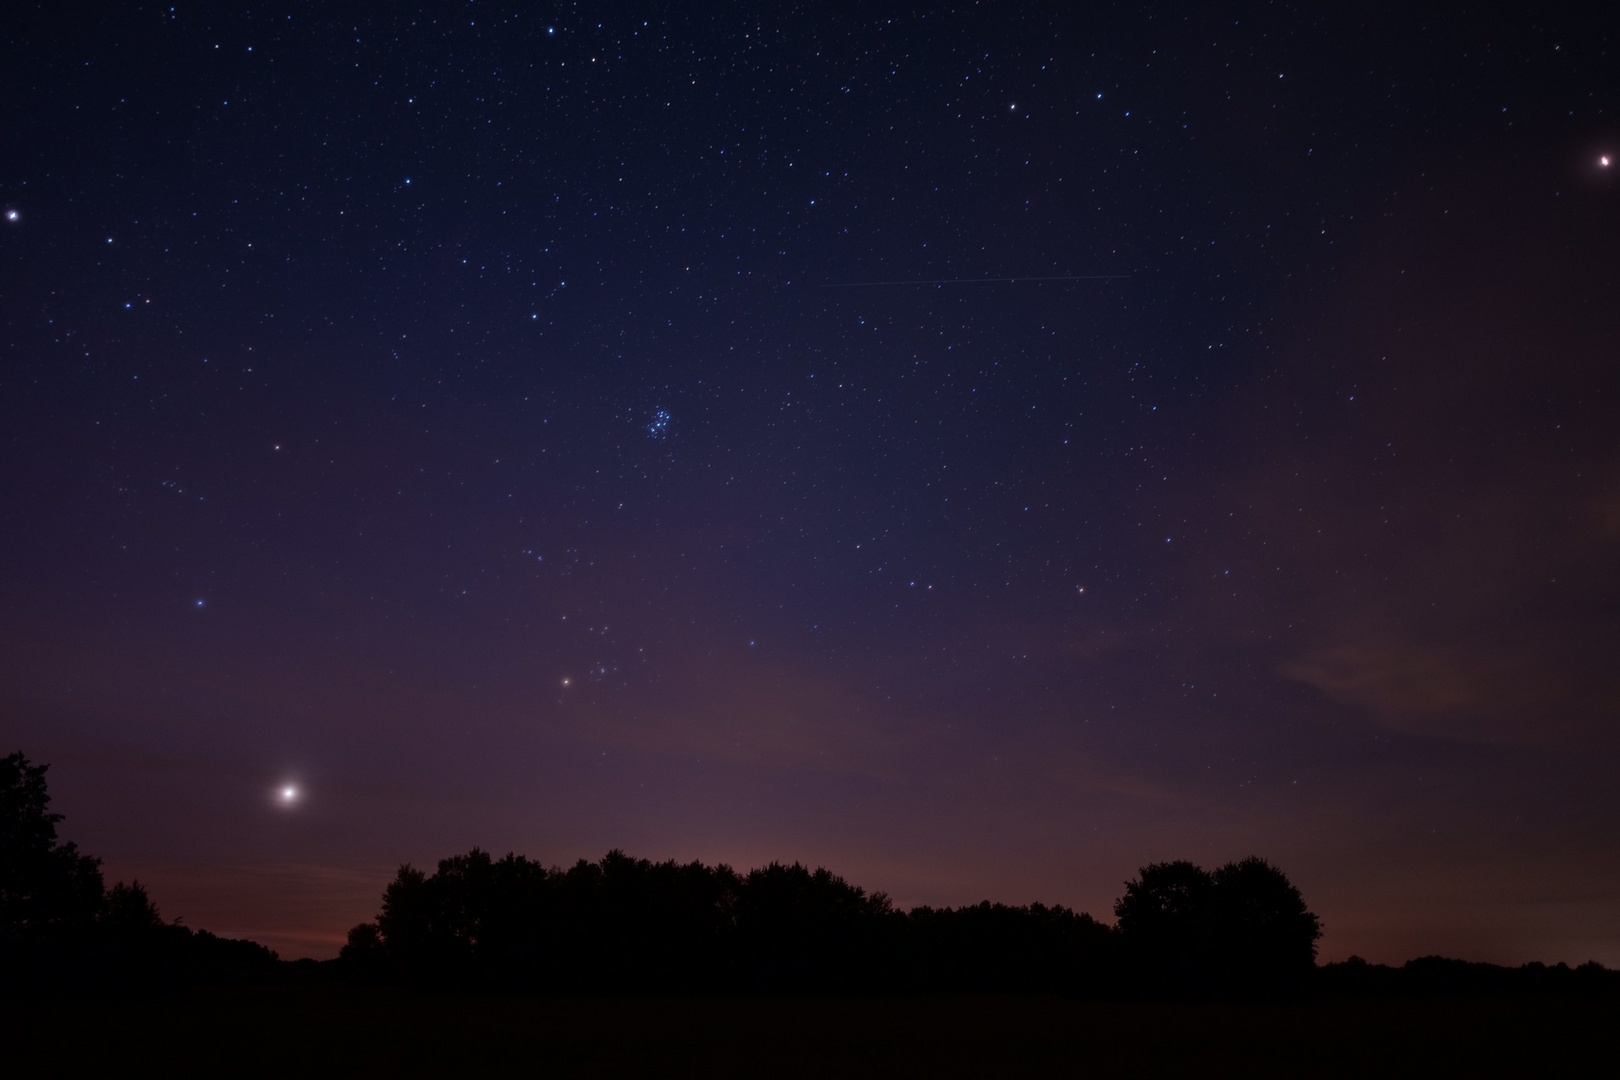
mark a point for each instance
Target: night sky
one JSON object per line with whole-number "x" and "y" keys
{"x": 478, "y": 419}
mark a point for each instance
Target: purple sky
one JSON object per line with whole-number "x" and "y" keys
{"x": 444, "y": 413}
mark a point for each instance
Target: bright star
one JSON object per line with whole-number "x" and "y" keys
{"x": 12, "y": 215}
{"x": 1602, "y": 161}
{"x": 288, "y": 794}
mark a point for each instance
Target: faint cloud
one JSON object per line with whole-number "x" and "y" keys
{"x": 1446, "y": 691}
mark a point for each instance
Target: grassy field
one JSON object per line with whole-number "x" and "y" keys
{"x": 325, "y": 1031}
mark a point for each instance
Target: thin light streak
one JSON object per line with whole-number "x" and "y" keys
{"x": 977, "y": 280}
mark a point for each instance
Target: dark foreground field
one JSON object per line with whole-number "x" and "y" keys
{"x": 299, "y": 1031}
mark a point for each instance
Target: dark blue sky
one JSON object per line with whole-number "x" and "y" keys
{"x": 448, "y": 409}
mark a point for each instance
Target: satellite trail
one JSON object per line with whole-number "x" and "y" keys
{"x": 977, "y": 280}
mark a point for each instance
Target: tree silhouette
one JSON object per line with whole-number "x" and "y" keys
{"x": 1164, "y": 921}
{"x": 995, "y": 948}
{"x": 48, "y": 890}
{"x": 1244, "y": 928}
{"x": 61, "y": 928}
{"x": 1264, "y": 938}
{"x": 129, "y": 910}
{"x": 625, "y": 925}
{"x": 802, "y": 930}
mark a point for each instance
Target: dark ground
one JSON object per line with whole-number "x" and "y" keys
{"x": 292, "y": 1032}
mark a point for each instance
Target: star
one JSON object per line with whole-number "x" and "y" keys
{"x": 13, "y": 215}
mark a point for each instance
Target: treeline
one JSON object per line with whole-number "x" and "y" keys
{"x": 1439, "y": 977}
{"x": 62, "y": 929}
{"x": 629, "y": 926}
{"x": 626, "y": 925}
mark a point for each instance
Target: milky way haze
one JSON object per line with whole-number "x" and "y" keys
{"x": 427, "y": 426}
